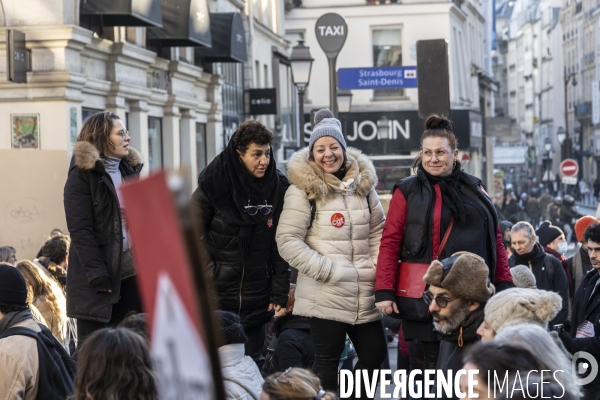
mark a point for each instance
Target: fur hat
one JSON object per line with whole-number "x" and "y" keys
{"x": 582, "y": 224}
{"x": 522, "y": 277}
{"x": 464, "y": 275}
{"x": 516, "y": 305}
{"x": 547, "y": 232}
{"x": 326, "y": 125}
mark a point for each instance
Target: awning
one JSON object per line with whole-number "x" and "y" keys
{"x": 186, "y": 23}
{"x": 228, "y": 39}
{"x": 510, "y": 155}
{"x": 124, "y": 12}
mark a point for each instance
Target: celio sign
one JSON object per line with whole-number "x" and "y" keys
{"x": 263, "y": 101}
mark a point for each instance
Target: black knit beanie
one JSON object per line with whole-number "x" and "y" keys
{"x": 547, "y": 233}
{"x": 13, "y": 288}
{"x": 230, "y": 329}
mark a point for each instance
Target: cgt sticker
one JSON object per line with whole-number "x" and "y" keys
{"x": 338, "y": 220}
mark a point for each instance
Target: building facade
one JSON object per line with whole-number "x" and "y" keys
{"x": 385, "y": 33}
{"x": 181, "y": 99}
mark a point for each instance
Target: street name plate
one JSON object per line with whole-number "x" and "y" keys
{"x": 377, "y": 78}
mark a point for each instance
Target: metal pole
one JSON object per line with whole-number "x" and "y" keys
{"x": 301, "y": 116}
{"x": 567, "y": 148}
{"x": 332, "y": 86}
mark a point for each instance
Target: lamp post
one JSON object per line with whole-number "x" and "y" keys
{"x": 301, "y": 62}
{"x": 383, "y": 132}
{"x": 344, "y": 102}
{"x": 566, "y": 150}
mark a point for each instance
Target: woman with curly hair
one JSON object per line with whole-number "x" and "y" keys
{"x": 295, "y": 384}
{"x": 47, "y": 296}
{"x": 115, "y": 364}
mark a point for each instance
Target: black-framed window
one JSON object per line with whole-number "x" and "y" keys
{"x": 387, "y": 52}
{"x": 201, "y": 157}
{"x": 233, "y": 98}
{"x": 87, "y": 112}
{"x": 155, "y": 144}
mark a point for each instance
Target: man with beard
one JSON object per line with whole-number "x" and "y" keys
{"x": 458, "y": 289}
{"x": 548, "y": 271}
{"x": 584, "y": 332}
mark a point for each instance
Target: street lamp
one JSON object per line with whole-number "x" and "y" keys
{"x": 344, "y": 100}
{"x": 561, "y": 134}
{"x": 547, "y": 145}
{"x": 383, "y": 128}
{"x": 566, "y": 149}
{"x": 301, "y": 62}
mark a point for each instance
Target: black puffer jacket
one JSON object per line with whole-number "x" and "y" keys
{"x": 294, "y": 344}
{"x": 94, "y": 221}
{"x": 244, "y": 284}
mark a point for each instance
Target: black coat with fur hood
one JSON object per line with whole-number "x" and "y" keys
{"x": 94, "y": 221}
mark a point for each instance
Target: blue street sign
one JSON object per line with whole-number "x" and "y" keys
{"x": 377, "y": 78}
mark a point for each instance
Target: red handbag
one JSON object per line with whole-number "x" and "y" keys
{"x": 410, "y": 286}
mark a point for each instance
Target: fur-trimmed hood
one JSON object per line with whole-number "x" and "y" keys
{"x": 86, "y": 155}
{"x": 303, "y": 175}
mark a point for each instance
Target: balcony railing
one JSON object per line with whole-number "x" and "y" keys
{"x": 378, "y": 2}
{"x": 583, "y": 109}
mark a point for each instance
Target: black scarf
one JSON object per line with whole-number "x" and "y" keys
{"x": 13, "y": 318}
{"x": 228, "y": 185}
{"x": 448, "y": 186}
{"x": 467, "y": 331}
{"x": 534, "y": 255}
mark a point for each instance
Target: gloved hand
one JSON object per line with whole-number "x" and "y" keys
{"x": 566, "y": 338}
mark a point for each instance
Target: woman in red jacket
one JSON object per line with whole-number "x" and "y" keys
{"x": 424, "y": 206}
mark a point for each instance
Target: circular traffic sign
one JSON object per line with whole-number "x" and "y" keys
{"x": 569, "y": 167}
{"x": 331, "y": 30}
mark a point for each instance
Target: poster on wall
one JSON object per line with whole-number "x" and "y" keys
{"x": 25, "y": 131}
{"x": 73, "y": 124}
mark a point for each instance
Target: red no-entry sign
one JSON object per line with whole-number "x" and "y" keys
{"x": 569, "y": 167}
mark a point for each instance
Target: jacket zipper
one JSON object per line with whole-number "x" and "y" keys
{"x": 352, "y": 259}
{"x": 241, "y": 284}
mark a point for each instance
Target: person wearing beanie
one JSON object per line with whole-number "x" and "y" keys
{"x": 439, "y": 200}
{"x": 554, "y": 243}
{"x": 515, "y": 306}
{"x": 236, "y": 209}
{"x": 548, "y": 271}
{"x": 241, "y": 376}
{"x": 523, "y": 277}
{"x": 330, "y": 230}
{"x": 459, "y": 287}
{"x": 18, "y": 354}
{"x": 579, "y": 263}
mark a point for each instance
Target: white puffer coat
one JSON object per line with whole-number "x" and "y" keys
{"x": 336, "y": 257}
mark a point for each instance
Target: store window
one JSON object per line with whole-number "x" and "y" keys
{"x": 233, "y": 98}
{"x": 201, "y": 158}
{"x": 155, "y": 149}
{"x": 387, "y": 52}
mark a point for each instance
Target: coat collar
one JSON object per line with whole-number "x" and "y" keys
{"x": 321, "y": 186}
{"x": 86, "y": 155}
{"x": 231, "y": 354}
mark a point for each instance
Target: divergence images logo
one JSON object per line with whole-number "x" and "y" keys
{"x": 581, "y": 368}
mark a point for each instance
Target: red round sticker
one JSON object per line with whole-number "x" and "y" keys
{"x": 338, "y": 220}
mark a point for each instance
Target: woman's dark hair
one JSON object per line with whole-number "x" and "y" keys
{"x": 115, "y": 364}
{"x": 437, "y": 126}
{"x": 500, "y": 358}
{"x": 592, "y": 233}
{"x": 251, "y": 131}
{"x": 136, "y": 322}
{"x": 96, "y": 130}
{"x": 57, "y": 248}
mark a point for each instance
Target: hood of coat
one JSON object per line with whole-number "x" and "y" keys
{"x": 86, "y": 155}
{"x": 302, "y": 174}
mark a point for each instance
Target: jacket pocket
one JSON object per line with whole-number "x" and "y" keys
{"x": 414, "y": 241}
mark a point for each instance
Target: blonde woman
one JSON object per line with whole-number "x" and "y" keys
{"x": 294, "y": 384}
{"x": 48, "y": 297}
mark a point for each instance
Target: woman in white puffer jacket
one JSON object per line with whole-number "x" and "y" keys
{"x": 335, "y": 254}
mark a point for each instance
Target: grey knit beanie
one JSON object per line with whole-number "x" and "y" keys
{"x": 522, "y": 277}
{"x": 326, "y": 125}
{"x": 515, "y": 305}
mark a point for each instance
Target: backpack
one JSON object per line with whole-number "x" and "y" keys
{"x": 57, "y": 368}
{"x": 313, "y": 209}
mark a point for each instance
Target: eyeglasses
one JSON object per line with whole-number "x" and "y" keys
{"x": 283, "y": 376}
{"x": 123, "y": 133}
{"x": 441, "y": 301}
{"x": 439, "y": 154}
{"x": 265, "y": 209}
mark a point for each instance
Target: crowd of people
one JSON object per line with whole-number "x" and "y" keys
{"x": 309, "y": 275}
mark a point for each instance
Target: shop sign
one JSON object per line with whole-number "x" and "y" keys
{"x": 263, "y": 101}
